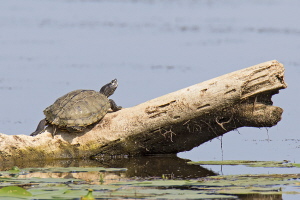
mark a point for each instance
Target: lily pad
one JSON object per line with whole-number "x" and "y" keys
{"x": 14, "y": 169}
{"x": 14, "y": 191}
{"x": 247, "y": 163}
{"x": 296, "y": 164}
{"x": 48, "y": 183}
{"x": 89, "y": 195}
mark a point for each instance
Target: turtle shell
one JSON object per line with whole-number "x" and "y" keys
{"x": 78, "y": 108}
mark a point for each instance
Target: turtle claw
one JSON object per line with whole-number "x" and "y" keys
{"x": 114, "y": 106}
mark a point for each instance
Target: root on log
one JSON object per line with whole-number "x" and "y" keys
{"x": 172, "y": 123}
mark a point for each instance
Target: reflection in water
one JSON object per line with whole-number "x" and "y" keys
{"x": 138, "y": 167}
{"x": 156, "y": 166}
{"x": 259, "y": 197}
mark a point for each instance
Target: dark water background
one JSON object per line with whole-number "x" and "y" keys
{"x": 153, "y": 47}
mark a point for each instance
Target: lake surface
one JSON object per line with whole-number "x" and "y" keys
{"x": 153, "y": 47}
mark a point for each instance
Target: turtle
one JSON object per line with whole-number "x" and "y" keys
{"x": 78, "y": 109}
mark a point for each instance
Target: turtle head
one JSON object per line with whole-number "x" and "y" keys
{"x": 109, "y": 88}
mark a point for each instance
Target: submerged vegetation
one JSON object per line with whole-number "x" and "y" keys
{"x": 89, "y": 183}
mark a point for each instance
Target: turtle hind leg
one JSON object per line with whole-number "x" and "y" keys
{"x": 40, "y": 127}
{"x": 75, "y": 128}
{"x": 114, "y": 106}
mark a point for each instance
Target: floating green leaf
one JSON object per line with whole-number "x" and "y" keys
{"x": 296, "y": 164}
{"x": 89, "y": 195}
{"x": 247, "y": 163}
{"x": 14, "y": 191}
{"x": 14, "y": 169}
{"x": 70, "y": 183}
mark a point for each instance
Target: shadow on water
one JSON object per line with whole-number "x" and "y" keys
{"x": 137, "y": 167}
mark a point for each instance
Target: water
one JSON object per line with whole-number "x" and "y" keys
{"x": 153, "y": 47}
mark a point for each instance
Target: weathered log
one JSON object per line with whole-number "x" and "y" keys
{"x": 172, "y": 123}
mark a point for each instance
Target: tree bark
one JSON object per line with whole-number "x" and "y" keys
{"x": 172, "y": 123}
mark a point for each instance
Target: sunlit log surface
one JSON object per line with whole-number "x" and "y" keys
{"x": 169, "y": 124}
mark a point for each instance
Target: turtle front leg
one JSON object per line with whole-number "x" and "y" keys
{"x": 40, "y": 127}
{"x": 114, "y": 106}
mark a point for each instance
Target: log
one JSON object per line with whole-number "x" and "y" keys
{"x": 169, "y": 124}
